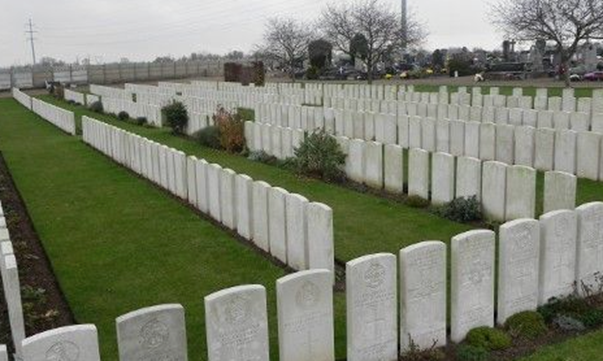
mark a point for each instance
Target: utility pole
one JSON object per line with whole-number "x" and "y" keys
{"x": 404, "y": 17}
{"x": 30, "y": 32}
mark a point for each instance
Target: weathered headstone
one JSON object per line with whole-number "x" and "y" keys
{"x": 296, "y": 231}
{"x": 201, "y": 170}
{"x": 320, "y": 237}
{"x": 237, "y": 324}
{"x": 261, "y": 215}
{"x": 589, "y": 260}
{"x": 418, "y": 173}
{"x": 12, "y": 295}
{"x": 472, "y": 132}
{"x": 468, "y": 178}
{"x": 228, "y": 198}
{"x": 505, "y": 143}
{"x": 305, "y": 316}
{"x": 404, "y": 131}
{"x": 394, "y": 168}
{"x": 66, "y": 343}
{"x": 472, "y": 282}
{"x": 588, "y": 153}
{"x": 544, "y": 149}
{"x": 559, "y": 191}
{"x": 521, "y": 192}
{"x": 157, "y": 332}
{"x": 428, "y": 134}
{"x": 565, "y": 151}
{"x": 415, "y": 132}
{"x": 442, "y": 178}
{"x": 487, "y": 141}
{"x": 355, "y": 160}
{"x": 493, "y": 199}
{"x": 423, "y": 284}
{"x": 213, "y": 181}
{"x": 277, "y": 224}
{"x": 524, "y": 146}
{"x": 443, "y": 136}
{"x": 558, "y": 255}
{"x": 373, "y": 164}
{"x": 244, "y": 205}
{"x": 457, "y": 138}
{"x": 519, "y": 253}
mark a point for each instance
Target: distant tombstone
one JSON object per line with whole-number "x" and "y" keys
{"x": 201, "y": 170}
{"x": 487, "y": 141}
{"x": 355, "y": 160}
{"x": 545, "y": 119}
{"x": 213, "y": 181}
{"x": 403, "y": 131}
{"x": 442, "y": 179}
{"x": 66, "y": 343}
{"x": 530, "y": 118}
{"x": 561, "y": 120}
{"x": 472, "y": 130}
{"x": 521, "y": 192}
{"x": 443, "y": 136}
{"x": 493, "y": 200}
{"x": 151, "y": 333}
{"x": 297, "y": 231}
{"x": 228, "y": 198}
{"x": 415, "y": 133}
{"x": 558, "y": 256}
{"x": 565, "y": 151}
{"x": 305, "y": 316}
{"x": 505, "y": 145}
{"x": 260, "y": 215}
{"x": 12, "y": 295}
{"x": 472, "y": 282}
{"x": 320, "y": 237}
{"x": 524, "y": 146}
{"x": 371, "y": 312}
{"x": 423, "y": 285}
{"x": 519, "y": 252}
{"x": 544, "y": 149}
{"x": 418, "y": 173}
{"x": 244, "y": 205}
{"x": 457, "y": 138}
{"x": 373, "y": 164}
{"x": 236, "y": 324}
{"x": 468, "y": 178}
{"x": 589, "y": 261}
{"x": 394, "y": 168}
{"x": 555, "y": 104}
{"x": 277, "y": 223}
{"x": 559, "y": 191}
{"x": 580, "y": 122}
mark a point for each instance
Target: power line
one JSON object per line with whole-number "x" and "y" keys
{"x": 31, "y": 39}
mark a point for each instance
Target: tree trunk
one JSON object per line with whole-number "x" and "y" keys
{"x": 566, "y": 73}
{"x": 369, "y": 71}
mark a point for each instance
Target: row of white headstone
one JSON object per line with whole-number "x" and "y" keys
{"x": 297, "y": 232}
{"x": 78, "y": 98}
{"x": 537, "y": 260}
{"x": 134, "y": 109}
{"x": 22, "y": 98}
{"x": 57, "y": 116}
{"x": 11, "y": 288}
{"x": 545, "y": 149}
{"x": 273, "y": 140}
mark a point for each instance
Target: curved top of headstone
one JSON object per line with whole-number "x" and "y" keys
{"x": 369, "y": 258}
{"x": 298, "y": 197}
{"x": 303, "y": 274}
{"x": 422, "y": 245}
{"x": 70, "y": 343}
{"x": 320, "y": 206}
{"x": 473, "y": 234}
{"x": 245, "y": 177}
{"x": 280, "y": 190}
{"x": 147, "y": 310}
{"x": 518, "y": 222}
{"x": 557, "y": 213}
{"x": 495, "y": 163}
{"x": 262, "y": 184}
{"x": 233, "y": 291}
{"x": 592, "y": 206}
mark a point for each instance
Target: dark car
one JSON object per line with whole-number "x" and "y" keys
{"x": 594, "y": 76}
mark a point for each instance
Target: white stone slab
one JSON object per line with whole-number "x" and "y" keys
{"x": 12, "y": 296}
{"x": 505, "y": 144}
{"x": 561, "y": 120}
{"x": 468, "y": 178}
{"x": 519, "y": 254}
{"x": 66, "y": 343}
{"x": 443, "y": 136}
{"x": 373, "y": 164}
{"x": 442, "y": 178}
{"x": 260, "y": 215}
{"x": 559, "y": 191}
{"x": 428, "y": 134}
{"x": 371, "y": 300}
{"x": 565, "y": 151}
{"x": 472, "y": 141}
{"x": 544, "y": 149}
{"x": 305, "y": 316}
{"x": 415, "y": 132}
{"x": 487, "y": 141}
{"x": 320, "y": 237}
{"x": 393, "y": 168}
{"x": 277, "y": 225}
{"x": 472, "y": 282}
{"x": 355, "y": 160}
{"x": 403, "y": 131}
{"x": 558, "y": 255}
{"x": 418, "y": 173}
{"x": 545, "y": 119}
{"x": 244, "y": 204}
{"x": 588, "y": 155}
{"x": 297, "y": 231}
{"x": 494, "y": 182}
{"x": 228, "y": 198}
{"x": 589, "y": 260}
{"x": 457, "y": 138}
{"x": 213, "y": 180}
{"x": 151, "y": 333}
{"x": 521, "y": 192}
{"x": 237, "y": 324}
{"x": 423, "y": 282}
{"x": 524, "y": 145}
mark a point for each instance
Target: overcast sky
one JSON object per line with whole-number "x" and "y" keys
{"x": 107, "y": 30}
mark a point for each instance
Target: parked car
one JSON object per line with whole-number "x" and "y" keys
{"x": 594, "y": 76}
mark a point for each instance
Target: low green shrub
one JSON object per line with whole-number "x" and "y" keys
{"x": 209, "y": 137}
{"x": 528, "y": 325}
{"x": 141, "y": 120}
{"x": 96, "y": 107}
{"x": 263, "y": 157}
{"x": 319, "y": 155}
{"x": 572, "y": 307}
{"x": 462, "y": 210}
{"x": 488, "y": 338}
{"x": 416, "y": 202}
{"x": 471, "y": 353}
{"x": 176, "y": 116}
{"x": 246, "y": 114}
{"x": 123, "y": 115}
{"x": 416, "y": 353}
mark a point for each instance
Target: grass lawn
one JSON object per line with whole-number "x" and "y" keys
{"x": 364, "y": 223}
{"x": 117, "y": 243}
{"x": 584, "y": 348}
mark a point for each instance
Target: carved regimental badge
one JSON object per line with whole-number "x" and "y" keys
{"x": 307, "y": 295}
{"x": 63, "y": 351}
{"x": 154, "y": 334}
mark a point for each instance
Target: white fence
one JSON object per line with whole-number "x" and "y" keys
{"x": 60, "y": 117}
{"x": 22, "y": 98}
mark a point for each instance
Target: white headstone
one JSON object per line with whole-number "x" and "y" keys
{"x": 468, "y": 178}
{"x": 244, "y": 204}
{"x": 260, "y": 215}
{"x": 544, "y": 149}
{"x": 355, "y": 160}
{"x": 589, "y": 261}
{"x": 191, "y": 182}
{"x": 558, "y": 254}
{"x": 487, "y": 141}
{"x": 565, "y": 151}
{"x": 277, "y": 224}
{"x": 519, "y": 253}
{"x": 505, "y": 144}
{"x": 404, "y": 132}
{"x": 236, "y": 324}
{"x": 228, "y": 198}
{"x": 12, "y": 295}
{"x": 394, "y": 168}
{"x": 443, "y": 136}
{"x": 371, "y": 299}
{"x": 213, "y": 181}
{"x": 521, "y": 192}
{"x": 305, "y": 316}
{"x": 493, "y": 199}
{"x": 559, "y": 191}
{"x": 157, "y": 332}
{"x": 524, "y": 146}
{"x": 472, "y": 282}
{"x": 373, "y": 164}
{"x": 423, "y": 286}
{"x": 442, "y": 178}
{"x": 321, "y": 250}
{"x": 66, "y": 343}
{"x": 415, "y": 132}
{"x": 418, "y": 173}
{"x": 428, "y": 134}
{"x": 457, "y": 138}
{"x": 297, "y": 231}
{"x": 588, "y": 155}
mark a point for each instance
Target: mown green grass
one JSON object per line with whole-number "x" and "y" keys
{"x": 117, "y": 243}
{"x": 583, "y": 348}
{"x": 364, "y": 223}
{"x": 508, "y": 90}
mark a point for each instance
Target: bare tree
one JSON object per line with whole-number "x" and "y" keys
{"x": 567, "y": 23}
{"x": 373, "y": 20}
{"x": 286, "y": 41}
